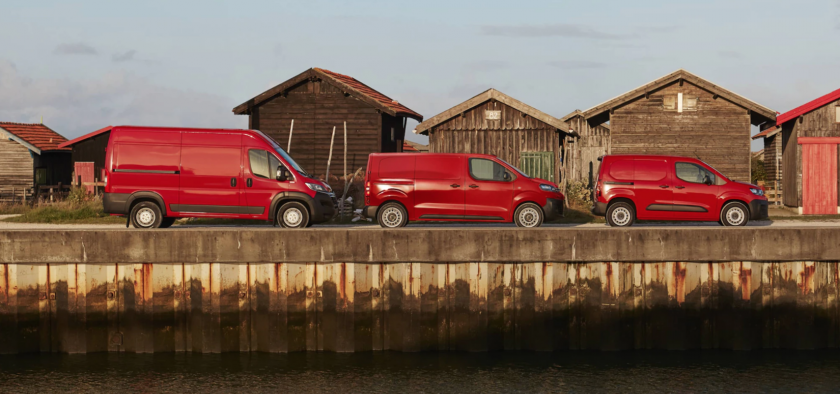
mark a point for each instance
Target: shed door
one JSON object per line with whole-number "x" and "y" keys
{"x": 819, "y": 179}
{"x": 84, "y": 174}
{"x": 537, "y": 164}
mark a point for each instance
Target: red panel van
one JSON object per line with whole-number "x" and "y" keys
{"x": 647, "y": 187}
{"x": 155, "y": 175}
{"x": 403, "y": 187}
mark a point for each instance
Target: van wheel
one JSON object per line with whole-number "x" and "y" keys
{"x": 392, "y": 215}
{"x": 621, "y": 214}
{"x": 167, "y": 222}
{"x": 734, "y": 214}
{"x": 146, "y": 214}
{"x": 293, "y": 215}
{"x": 528, "y": 215}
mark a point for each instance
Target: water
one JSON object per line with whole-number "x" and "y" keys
{"x": 643, "y": 372}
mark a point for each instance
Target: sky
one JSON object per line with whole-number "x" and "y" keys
{"x": 90, "y": 64}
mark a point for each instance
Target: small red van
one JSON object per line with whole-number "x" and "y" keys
{"x": 156, "y": 174}
{"x": 647, "y": 187}
{"x": 403, "y": 187}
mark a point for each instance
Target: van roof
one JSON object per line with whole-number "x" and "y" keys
{"x": 414, "y": 154}
{"x": 657, "y": 156}
{"x": 169, "y": 128}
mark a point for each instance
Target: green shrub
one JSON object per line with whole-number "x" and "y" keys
{"x": 579, "y": 195}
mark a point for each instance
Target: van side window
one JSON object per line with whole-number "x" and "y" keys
{"x": 259, "y": 163}
{"x": 487, "y": 170}
{"x": 693, "y": 173}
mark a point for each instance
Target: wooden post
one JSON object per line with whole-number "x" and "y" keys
{"x": 14, "y": 195}
{"x": 60, "y": 191}
{"x": 341, "y": 203}
{"x": 291, "y": 130}
{"x": 51, "y": 194}
{"x": 329, "y": 159}
{"x": 95, "y": 189}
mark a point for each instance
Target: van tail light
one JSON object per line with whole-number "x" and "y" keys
{"x": 598, "y": 190}
{"x": 367, "y": 189}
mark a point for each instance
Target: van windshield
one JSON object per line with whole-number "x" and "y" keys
{"x": 283, "y": 154}
{"x": 514, "y": 168}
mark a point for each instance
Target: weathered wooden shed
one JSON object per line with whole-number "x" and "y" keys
{"x": 809, "y": 136}
{"x": 685, "y": 115}
{"x": 772, "y": 154}
{"x": 318, "y": 100}
{"x": 89, "y": 149}
{"x": 583, "y": 148}
{"x": 497, "y": 124}
{"x": 30, "y": 155}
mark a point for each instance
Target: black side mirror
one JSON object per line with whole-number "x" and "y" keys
{"x": 283, "y": 174}
{"x": 506, "y": 176}
{"x": 707, "y": 180}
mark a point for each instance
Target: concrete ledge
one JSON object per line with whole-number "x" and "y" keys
{"x": 456, "y": 244}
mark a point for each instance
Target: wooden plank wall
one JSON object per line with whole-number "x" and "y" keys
{"x": 594, "y": 142}
{"x": 771, "y": 167}
{"x": 317, "y": 106}
{"x": 821, "y": 122}
{"x": 16, "y": 168}
{"x": 513, "y": 133}
{"x": 475, "y": 306}
{"x": 718, "y": 131}
{"x": 92, "y": 150}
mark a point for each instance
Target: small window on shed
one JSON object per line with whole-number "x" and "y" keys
{"x": 837, "y": 109}
{"x": 689, "y": 103}
{"x": 669, "y": 103}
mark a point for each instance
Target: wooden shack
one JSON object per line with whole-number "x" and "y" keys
{"x": 88, "y": 152}
{"x": 30, "y": 155}
{"x": 685, "y": 115}
{"x": 808, "y": 137}
{"x": 497, "y": 124}
{"x": 311, "y": 104}
{"x": 583, "y": 148}
{"x": 771, "y": 154}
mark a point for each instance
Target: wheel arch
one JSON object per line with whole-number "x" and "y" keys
{"x": 138, "y": 197}
{"x": 284, "y": 197}
{"x": 623, "y": 199}
{"x": 738, "y": 200}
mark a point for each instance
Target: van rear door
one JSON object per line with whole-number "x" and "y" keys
{"x": 211, "y": 172}
{"x": 653, "y": 188}
{"x": 439, "y": 186}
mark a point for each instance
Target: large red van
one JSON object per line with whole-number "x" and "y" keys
{"x": 648, "y": 187}
{"x": 403, "y": 187}
{"x": 155, "y": 175}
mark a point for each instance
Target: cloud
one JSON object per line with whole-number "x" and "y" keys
{"x": 576, "y": 64}
{"x": 487, "y": 65}
{"x": 124, "y": 57}
{"x": 76, "y": 107}
{"x": 78, "y": 48}
{"x": 555, "y": 30}
{"x": 730, "y": 54}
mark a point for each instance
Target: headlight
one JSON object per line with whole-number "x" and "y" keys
{"x": 549, "y": 188}
{"x": 316, "y": 187}
{"x": 757, "y": 192}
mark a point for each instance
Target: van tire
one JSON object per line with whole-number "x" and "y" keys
{"x": 528, "y": 215}
{"x": 734, "y": 213}
{"x": 621, "y": 214}
{"x": 146, "y": 215}
{"x": 167, "y": 222}
{"x": 392, "y": 215}
{"x": 293, "y": 215}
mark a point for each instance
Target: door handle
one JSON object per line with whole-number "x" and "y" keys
{"x": 232, "y": 182}
{"x": 473, "y": 186}
{"x": 663, "y": 186}
{"x": 680, "y": 187}
{"x": 454, "y": 185}
{"x": 249, "y": 182}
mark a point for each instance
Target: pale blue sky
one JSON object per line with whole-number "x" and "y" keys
{"x": 188, "y": 63}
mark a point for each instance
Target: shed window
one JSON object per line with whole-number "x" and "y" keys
{"x": 837, "y": 109}
{"x": 41, "y": 176}
{"x": 393, "y": 137}
{"x": 689, "y": 103}
{"x": 669, "y": 103}
{"x": 679, "y": 102}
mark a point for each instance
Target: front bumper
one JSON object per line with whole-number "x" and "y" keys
{"x": 369, "y": 211}
{"x": 323, "y": 207}
{"x": 553, "y": 209}
{"x": 599, "y": 208}
{"x": 758, "y": 209}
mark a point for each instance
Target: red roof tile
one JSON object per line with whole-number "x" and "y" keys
{"x": 764, "y": 133}
{"x": 37, "y": 135}
{"x": 371, "y": 92}
{"x": 409, "y": 148}
{"x": 808, "y": 107}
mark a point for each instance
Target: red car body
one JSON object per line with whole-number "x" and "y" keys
{"x": 447, "y": 187}
{"x": 207, "y": 173}
{"x": 672, "y": 188}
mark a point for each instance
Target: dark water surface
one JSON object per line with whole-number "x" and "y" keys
{"x": 664, "y": 372}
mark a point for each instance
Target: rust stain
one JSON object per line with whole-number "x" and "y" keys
{"x": 744, "y": 280}
{"x": 6, "y": 279}
{"x": 679, "y": 282}
{"x": 609, "y": 278}
{"x": 276, "y": 276}
{"x": 342, "y": 286}
{"x": 805, "y": 278}
{"x": 147, "y": 281}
